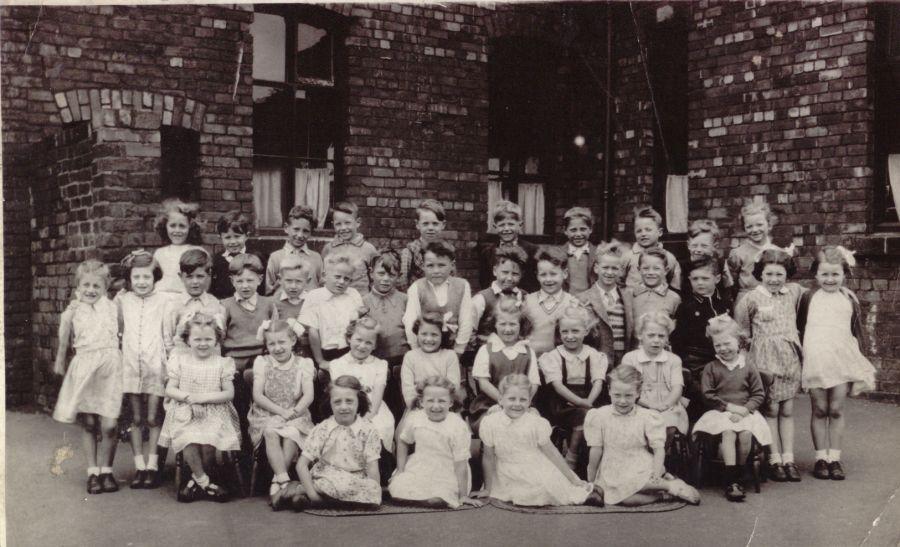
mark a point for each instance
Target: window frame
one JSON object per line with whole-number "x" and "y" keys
{"x": 882, "y": 201}
{"x": 335, "y": 24}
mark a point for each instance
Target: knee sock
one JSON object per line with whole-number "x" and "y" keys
{"x": 139, "y": 463}
{"x": 153, "y": 462}
{"x": 775, "y": 458}
{"x": 788, "y": 457}
{"x": 822, "y": 455}
{"x": 834, "y": 455}
{"x": 93, "y": 471}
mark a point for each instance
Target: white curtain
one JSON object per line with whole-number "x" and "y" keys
{"x": 531, "y": 200}
{"x": 494, "y": 194}
{"x": 267, "y": 197}
{"x": 894, "y": 177}
{"x": 677, "y": 204}
{"x": 312, "y": 187}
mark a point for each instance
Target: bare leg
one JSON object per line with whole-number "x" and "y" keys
{"x": 194, "y": 459}
{"x": 108, "y": 441}
{"x": 744, "y": 442}
{"x": 291, "y": 451}
{"x": 153, "y": 404}
{"x": 786, "y": 425}
{"x": 274, "y": 452}
{"x": 728, "y": 448}
{"x": 89, "y": 438}
{"x": 836, "y": 397}
{"x": 137, "y": 424}
{"x": 818, "y": 424}
{"x": 641, "y": 498}
{"x": 208, "y": 453}
{"x": 771, "y": 412}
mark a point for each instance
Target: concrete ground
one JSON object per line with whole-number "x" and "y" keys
{"x": 43, "y": 508}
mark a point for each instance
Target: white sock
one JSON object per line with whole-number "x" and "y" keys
{"x": 93, "y": 471}
{"x": 788, "y": 457}
{"x": 139, "y": 462}
{"x": 775, "y": 458}
{"x": 835, "y": 455}
{"x": 106, "y": 470}
{"x": 822, "y": 455}
{"x": 281, "y": 477}
{"x": 152, "y": 462}
{"x": 202, "y": 481}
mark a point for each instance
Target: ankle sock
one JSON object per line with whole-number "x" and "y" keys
{"x": 822, "y": 455}
{"x": 775, "y": 458}
{"x": 202, "y": 481}
{"x": 153, "y": 462}
{"x": 281, "y": 477}
{"x": 788, "y": 457}
{"x": 139, "y": 463}
{"x": 93, "y": 471}
{"x": 834, "y": 455}
{"x": 106, "y": 470}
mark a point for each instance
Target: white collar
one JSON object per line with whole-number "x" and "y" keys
{"x": 284, "y": 296}
{"x": 737, "y": 362}
{"x": 765, "y": 291}
{"x": 642, "y": 357}
{"x": 553, "y": 298}
{"x": 637, "y": 249}
{"x": 582, "y": 355}
{"x": 251, "y": 300}
{"x": 496, "y": 344}
{"x": 578, "y": 252}
{"x": 290, "y": 249}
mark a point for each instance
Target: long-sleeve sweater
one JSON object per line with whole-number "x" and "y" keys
{"x": 741, "y": 386}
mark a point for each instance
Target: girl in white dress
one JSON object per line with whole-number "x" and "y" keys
{"x": 177, "y": 226}
{"x": 520, "y": 463}
{"x": 628, "y": 447}
{"x": 201, "y": 418}
{"x": 371, "y": 372}
{"x": 437, "y": 474}
{"x": 142, "y": 314}
{"x": 829, "y": 321}
{"x": 92, "y": 386}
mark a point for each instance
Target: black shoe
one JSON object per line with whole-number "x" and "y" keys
{"x": 835, "y": 471}
{"x": 151, "y": 479}
{"x": 191, "y": 492}
{"x": 793, "y": 474}
{"x": 215, "y": 493}
{"x": 820, "y": 471}
{"x": 93, "y": 485}
{"x": 735, "y": 492}
{"x": 777, "y": 472}
{"x": 138, "y": 480}
{"x": 108, "y": 483}
{"x": 595, "y": 498}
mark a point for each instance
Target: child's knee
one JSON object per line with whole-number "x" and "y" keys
{"x": 153, "y": 421}
{"x": 770, "y": 410}
{"x": 138, "y": 421}
{"x": 835, "y": 412}
{"x": 271, "y": 437}
{"x": 786, "y": 411}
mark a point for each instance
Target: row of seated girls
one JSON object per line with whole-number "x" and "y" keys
{"x": 364, "y": 386}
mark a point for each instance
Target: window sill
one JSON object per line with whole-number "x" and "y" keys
{"x": 878, "y": 245}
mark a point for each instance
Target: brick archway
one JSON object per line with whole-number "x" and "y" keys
{"x": 129, "y": 108}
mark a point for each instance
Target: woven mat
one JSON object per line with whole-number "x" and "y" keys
{"x": 658, "y": 507}
{"x": 387, "y": 508}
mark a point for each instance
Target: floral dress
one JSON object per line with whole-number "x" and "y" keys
{"x": 214, "y": 424}
{"x": 93, "y": 381}
{"x": 627, "y": 441}
{"x": 660, "y": 376}
{"x": 370, "y": 373}
{"x": 143, "y": 342}
{"x": 771, "y": 320}
{"x": 429, "y": 471}
{"x": 525, "y": 476}
{"x": 283, "y": 386}
{"x": 341, "y": 454}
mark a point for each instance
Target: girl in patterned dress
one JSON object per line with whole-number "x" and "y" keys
{"x": 769, "y": 314}
{"x": 92, "y": 386}
{"x": 437, "y": 474}
{"x": 343, "y": 451}
{"x": 627, "y": 442}
{"x": 142, "y": 316}
{"x": 201, "y": 418}
{"x": 829, "y": 321}
{"x": 520, "y": 463}
{"x": 282, "y": 393}
{"x": 177, "y": 226}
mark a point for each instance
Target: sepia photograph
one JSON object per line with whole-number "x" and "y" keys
{"x": 459, "y": 273}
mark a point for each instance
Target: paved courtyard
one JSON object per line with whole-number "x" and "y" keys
{"x": 47, "y": 506}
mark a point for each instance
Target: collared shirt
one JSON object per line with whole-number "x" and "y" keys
{"x": 549, "y": 300}
{"x": 330, "y": 314}
{"x": 230, "y": 256}
{"x": 737, "y": 362}
{"x": 248, "y": 304}
{"x": 481, "y": 368}
{"x": 765, "y": 291}
{"x": 357, "y": 241}
{"x": 660, "y": 289}
{"x": 552, "y": 362}
{"x": 479, "y": 305}
{"x": 631, "y": 263}
{"x": 312, "y": 258}
{"x": 283, "y": 295}
{"x": 182, "y": 304}
{"x": 361, "y": 250}
{"x": 578, "y": 252}
{"x": 610, "y": 297}
{"x": 441, "y": 293}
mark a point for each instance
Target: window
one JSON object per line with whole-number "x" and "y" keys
{"x": 886, "y": 91}
{"x": 179, "y": 149}
{"x": 296, "y": 115}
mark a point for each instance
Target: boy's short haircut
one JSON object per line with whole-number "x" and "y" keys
{"x": 512, "y": 254}
{"x": 439, "y": 247}
{"x": 290, "y": 263}
{"x": 553, "y": 255}
{"x": 194, "y": 258}
{"x": 710, "y": 262}
{"x": 579, "y": 213}
{"x": 298, "y": 212}
{"x": 389, "y": 259}
{"x": 246, "y": 261}
{"x": 705, "y": 226}
{"x": 346, "y": 207}
{"x": 645, "y": 211}
{"x": 658, "y": 253}
{"x": 334, "y": 259}
{"x": 614, "y": 248}
{"x": 504, "y": 209}
{"x": 433, "y": 206}
{"x": 235, "y": 221}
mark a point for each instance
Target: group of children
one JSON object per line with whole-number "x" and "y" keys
{"x": 326, "y": 361}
